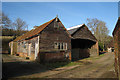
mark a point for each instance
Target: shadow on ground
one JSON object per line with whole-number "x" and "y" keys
{"x": 100, "y": 53}
{"x": 20, "y": 68}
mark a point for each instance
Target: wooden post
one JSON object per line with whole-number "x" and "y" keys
{"x": 29, "y": 49}
{"x": 70, "y": 58}
{"x": 11, "y": 48}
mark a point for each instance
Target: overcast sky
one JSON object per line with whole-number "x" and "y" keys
{"x": 70, "y": 13}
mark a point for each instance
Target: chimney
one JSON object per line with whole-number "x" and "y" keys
{"x": 35, "y": 27}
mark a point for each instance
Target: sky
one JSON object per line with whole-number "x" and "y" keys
{"x": 70, "y": 13}
{"x": 60, "y": 0}
{"x": 119, "y": 8}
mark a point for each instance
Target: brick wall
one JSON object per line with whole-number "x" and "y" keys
{"x": 94, "y": 50}
{"x": 53, "y": 57}
{"x": 116, "y": 36}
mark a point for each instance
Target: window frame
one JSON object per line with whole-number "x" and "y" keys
{"x": 60, "y": 45}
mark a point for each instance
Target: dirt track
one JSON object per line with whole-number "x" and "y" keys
{"x": 95, "y": 69}
{"x": 101, "y": 67}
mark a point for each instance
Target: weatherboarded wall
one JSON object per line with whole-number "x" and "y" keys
{"x": 84, "y": 43}
{"x": 54, "y": 33}
{"x": 78, "y": 53}
{"x": 54, "y": 44}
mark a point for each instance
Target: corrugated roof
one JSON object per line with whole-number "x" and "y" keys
{"x": 83, "y": 34}
{"x": 74, "y": 28}
{"x": 34, "y": 31}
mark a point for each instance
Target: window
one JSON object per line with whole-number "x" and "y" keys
{"x": 60, "y": 46}
{"x": 56, "y": 45}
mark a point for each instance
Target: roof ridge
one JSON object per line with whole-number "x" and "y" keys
{"x": 73, "y": 27}
{"x": 33, "y": 31}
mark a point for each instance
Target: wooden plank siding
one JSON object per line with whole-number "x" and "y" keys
{"x": 84, "y": 33}
{"x": 49, "y": 36}
{"x": 84, "y": 44}
{"x": 46, "y": 37}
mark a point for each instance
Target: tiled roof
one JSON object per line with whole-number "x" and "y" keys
{"x": 33, "y": 31}
{"x": 18, "y": 38}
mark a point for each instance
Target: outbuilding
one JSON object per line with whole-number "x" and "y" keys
{"x": 83, "y": 42}
{"x": 48, "y": 42}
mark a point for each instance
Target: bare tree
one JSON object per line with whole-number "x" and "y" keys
{"x": 6, "y": 22}
{"x": 9, "y": 28}
{"x": 109, "y": 42}
{"x": 99, "y": 29}
{"x": 92, "y": 24}
{"x": 19, "y": 25}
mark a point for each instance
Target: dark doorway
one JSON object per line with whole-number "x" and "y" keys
{"x": 80, "y": 48}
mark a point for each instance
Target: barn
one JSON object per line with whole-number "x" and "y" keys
{"x": 116, "y": 37}
{"x": 48, "y": 42}
{"x": 83, "y": 42}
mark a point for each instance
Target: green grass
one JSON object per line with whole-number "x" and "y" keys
{"x": 61, "y": 64}
{"x": 95, "y": 58}
{"x": 67, "y": 64}
{"x": 102, "y": 55}
{"x": 72, "y": 64}
{"x": 92, "y": 58}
